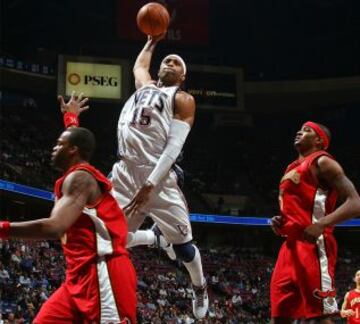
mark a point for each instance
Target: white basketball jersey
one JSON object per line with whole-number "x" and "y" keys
{"x": 144, "y": 124}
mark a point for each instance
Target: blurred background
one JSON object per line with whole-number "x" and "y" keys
{"x": 257, "y": 69}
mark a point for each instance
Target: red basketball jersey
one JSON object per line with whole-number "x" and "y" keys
{"x": 302, "y": 200}
{"x": 100, "y": 283}
{"x": 100, "y": 231}
{"x": 353, "y": 302}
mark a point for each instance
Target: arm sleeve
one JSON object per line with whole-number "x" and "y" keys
{"x": 178, "y": 133}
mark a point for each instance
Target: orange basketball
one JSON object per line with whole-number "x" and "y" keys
{"x": 153, "y": 19}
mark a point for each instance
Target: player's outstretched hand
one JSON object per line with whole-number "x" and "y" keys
{"x": 75, "y": 105}
{"x": 312, "y": 232}
{"x": 139, "y": 200}
{"x": 276, "y": 223}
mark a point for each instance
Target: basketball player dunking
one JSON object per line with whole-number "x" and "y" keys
{"x": 302, "y": 284}
{"x": 153, "y": 126}
{"x": 152, "y": 129}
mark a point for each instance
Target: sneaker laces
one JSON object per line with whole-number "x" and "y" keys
{"x": 200, "y": 293}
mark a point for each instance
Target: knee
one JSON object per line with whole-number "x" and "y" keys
{"x": 185, "y": 252}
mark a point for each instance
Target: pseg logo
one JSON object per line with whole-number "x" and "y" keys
{"x": 74, "y": 78}
{"x": 93, "y": 80}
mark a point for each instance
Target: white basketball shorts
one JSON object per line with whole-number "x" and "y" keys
{"x": 166, "y": 206}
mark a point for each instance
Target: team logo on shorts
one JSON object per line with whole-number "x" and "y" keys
{"x": 324, "y": 294}
{"x": 183, "y": 229}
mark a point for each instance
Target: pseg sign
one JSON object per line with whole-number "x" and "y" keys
{"x": 93, "y": 79}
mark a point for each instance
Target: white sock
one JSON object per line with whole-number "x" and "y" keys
{"x": 140, "y": 238}
{"x": 195, "y": 270}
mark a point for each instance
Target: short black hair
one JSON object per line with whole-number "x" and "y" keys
{"x": 84, "y": 139}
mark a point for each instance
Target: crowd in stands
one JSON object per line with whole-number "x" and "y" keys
{"x": 29, "y": 273}
{"x": 238, "y": 280}
{"x": 27, "y": 138}
{"x": 246, "y": 162}
{"x": 249, "y": 161}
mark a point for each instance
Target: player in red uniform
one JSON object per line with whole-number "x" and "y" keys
{"x": 100, "y": 283}
{"x": 302, "y": 284}
{"x": 351, "y": 306}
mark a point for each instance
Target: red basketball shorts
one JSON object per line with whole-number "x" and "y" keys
{"x": 106, "y": 295}
{"x": 302, "y": 283}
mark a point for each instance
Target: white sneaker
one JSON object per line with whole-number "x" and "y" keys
{"x": 162, "y": 243}
{"x": 200, "y": 301}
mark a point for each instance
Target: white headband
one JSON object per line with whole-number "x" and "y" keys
{"x": 179, "y": 58}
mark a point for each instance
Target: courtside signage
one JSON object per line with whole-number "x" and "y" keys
{"x": 95, "y": 80}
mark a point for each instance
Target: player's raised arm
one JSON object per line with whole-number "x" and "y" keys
{"x": 73, "y": 108}
{"x": 142, "y": 64}
{"x": 78, "y": 188}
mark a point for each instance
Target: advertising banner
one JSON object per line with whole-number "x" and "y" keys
{"x": 93, "y": 79}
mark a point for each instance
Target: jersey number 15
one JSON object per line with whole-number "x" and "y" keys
{"x": 141, "y": 116}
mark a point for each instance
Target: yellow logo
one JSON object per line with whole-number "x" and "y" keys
{"x": 292, "y": 175}
{"x": 74, "y": 78}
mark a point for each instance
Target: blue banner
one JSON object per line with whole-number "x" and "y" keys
{"x": 196, "y": 218}
{"x": 233, "y": 220}
{"x": 26, "y": 190}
